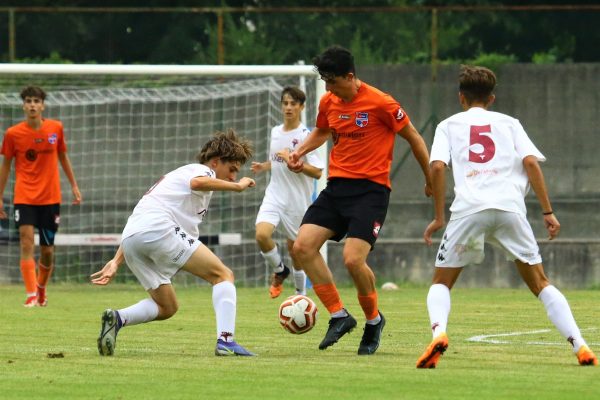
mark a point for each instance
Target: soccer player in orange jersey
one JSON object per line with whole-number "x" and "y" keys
{"x": 363, "y": 123}
{"x": 37, "y": 145}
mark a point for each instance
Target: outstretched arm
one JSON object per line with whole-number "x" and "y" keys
{"x": 537, "y": 182}
{"x": 258, "y": 167}
{"x": 4, "y": 171}
{"x": 438, "y": 178}
{"x": 66, "y": 166}
{"x": 419, "y": 150}
{"x": 106, "y": 274}
{"x": 207, "y": 184}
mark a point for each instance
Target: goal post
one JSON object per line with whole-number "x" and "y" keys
{"x": 127, "y": 125}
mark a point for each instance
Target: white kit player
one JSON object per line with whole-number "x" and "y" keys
{"x": 288, "y": 194}
{"x": 161, "y": 237}
{"x": 493, "y": 163}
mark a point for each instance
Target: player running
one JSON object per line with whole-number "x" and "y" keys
{"x": 494, "y": 163}
{"x": 288, "y": 194}
{"x": 161, "y": 237}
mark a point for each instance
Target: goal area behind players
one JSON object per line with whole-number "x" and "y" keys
{"x": 128, "y": 125}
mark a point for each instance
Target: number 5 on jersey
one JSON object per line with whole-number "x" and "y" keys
{"x": 480, "y": 135}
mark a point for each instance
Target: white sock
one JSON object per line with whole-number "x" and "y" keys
{"x": 300, "y": 281}
{"x": 224, "y": 303}
{"x": 273, "y": 259}
{"x": 340, "y": 314}
{"x": 438, "y": 305}
{"x": 560, "y": 315}
{"x": 143, "y": 311}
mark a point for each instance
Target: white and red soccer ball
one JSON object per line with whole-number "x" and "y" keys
{"x": 298, "y": 314}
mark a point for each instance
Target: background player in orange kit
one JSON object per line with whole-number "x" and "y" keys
{"x": 363, "y": 123}
{"x": 37, "y": 145}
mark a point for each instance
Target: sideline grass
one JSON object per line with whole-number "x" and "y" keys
{"x": 174, "y": 359}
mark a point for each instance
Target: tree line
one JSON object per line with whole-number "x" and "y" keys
{"x": 269, "y": 32}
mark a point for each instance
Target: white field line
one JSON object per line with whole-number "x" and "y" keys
{"x": 492, "y": 338}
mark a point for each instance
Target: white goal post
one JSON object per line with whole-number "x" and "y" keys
{"x": 125, "y": 126}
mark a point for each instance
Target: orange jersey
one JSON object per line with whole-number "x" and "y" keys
{"x": 36, "y": 161}
{"x": 364, "y": 131}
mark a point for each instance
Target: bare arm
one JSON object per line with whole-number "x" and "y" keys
{"x": 316, "y": 138}
{"x": 207, "y": 184}
{"x": 307, "y": 169}
{"x": 4, "y": 171}
{"x": 106, "y": 274}
{"x": 65, "y": 162}
{"x": 258, "y": 167}
{"x": 419, "y": 150}
{"x": 438, "y": 178}
{"x": 537, "y": 182}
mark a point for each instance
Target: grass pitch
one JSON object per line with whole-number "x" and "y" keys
{"x": 51, "y": 353}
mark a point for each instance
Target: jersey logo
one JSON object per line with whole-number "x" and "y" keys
{"x": 294, "y": 143}
{"x": 376, "y": 228}
{"x": 400, "y": 114}
{"x": 31, "y": 155}
{"x": 52, "y": 138}
{"x": 344, "y": 116}
{"x": 362, "y": 119}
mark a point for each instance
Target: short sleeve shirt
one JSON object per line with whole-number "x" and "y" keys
{"x": 485, "y": 150}
{"x": 36, "y": 161}
{"x": 172, "y": 202}
{"x": 287, "y": 189}
{"x": 364, "y": 131}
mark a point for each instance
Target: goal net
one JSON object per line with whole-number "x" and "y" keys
{"x": 126, "y": 126}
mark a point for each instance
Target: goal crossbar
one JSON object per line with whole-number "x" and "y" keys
{"x": 110, "y": 69}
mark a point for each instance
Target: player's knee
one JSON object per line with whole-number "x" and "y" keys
{"x": 261, "y": 237}
{"x": 303, "y": 250}
{"x": 166, "y": 311}
{"x": 353, "y": 261}
{"x": 221, "y": 275}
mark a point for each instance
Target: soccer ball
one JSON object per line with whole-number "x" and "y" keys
{"x": 298, "y": 314}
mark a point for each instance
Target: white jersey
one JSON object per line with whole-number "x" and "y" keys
{"x": 171, "y": 202}
{"x": 485, "y": 150}
{"x": 286, "y": 188}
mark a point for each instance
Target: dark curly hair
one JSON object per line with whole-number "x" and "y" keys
{"x": 227, "y": 146}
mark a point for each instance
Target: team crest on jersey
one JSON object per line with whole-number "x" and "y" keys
{"x": 294, "y": 143}
{"x": 52, "y": 138}
{"x": 362, "y": 119}
{"x": 376, "y": 228}
{"x": 400, "y": 114}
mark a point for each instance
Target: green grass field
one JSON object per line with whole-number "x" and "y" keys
{"x": 174, "y": 359}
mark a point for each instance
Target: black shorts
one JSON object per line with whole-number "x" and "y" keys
{"x": 350, "y": 207}
{"x": 46, "y": 218}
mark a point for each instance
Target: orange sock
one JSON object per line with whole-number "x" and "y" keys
{"x": 369, "y": 305}
{"x": 329, "y": 296}
{"x": 43, "y": 274}
{"x": 28, "y": 274}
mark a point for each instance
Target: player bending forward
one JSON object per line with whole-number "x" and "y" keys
{"x": 288, "y": 194}
{"x": 493, "y": 162}
{"x": 161, "y": 237}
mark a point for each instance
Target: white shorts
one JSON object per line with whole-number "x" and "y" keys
{"x": 155, "y": 256}
{"x": 275, "y": 214}
{"x": 463, "y": 240}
